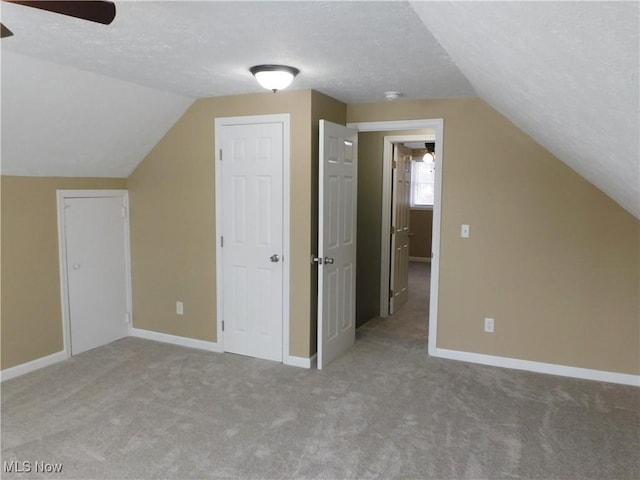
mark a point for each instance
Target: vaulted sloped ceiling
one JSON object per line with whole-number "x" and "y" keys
{"x": 564, "y": 72}
{"x": 90, "y": 100}
{"x": 60, "y": 121}
{"x": 353, "y": 51}
{"x": 84, "y": 99}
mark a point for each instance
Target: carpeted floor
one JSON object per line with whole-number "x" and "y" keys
{"x": 141, "y": 409}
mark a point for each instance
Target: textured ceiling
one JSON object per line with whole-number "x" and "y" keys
{"x": 59, "y": 121}
{"x": 352, "y": 51}
{"x": 564, "y": 72}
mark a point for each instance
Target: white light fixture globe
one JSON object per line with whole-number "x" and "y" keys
{"x": 274, "y": 77}
{"x": 392, "y": 95}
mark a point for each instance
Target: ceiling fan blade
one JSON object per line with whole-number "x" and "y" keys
{"x": 4, "y": 31}
{"x": 94, "y": 11}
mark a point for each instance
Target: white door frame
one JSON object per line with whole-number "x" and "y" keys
{"x": 387, "y": 203}
{"x": 436, "y": 124}
{"x": 285, "y": 119}
{"x": 62, "y": 252}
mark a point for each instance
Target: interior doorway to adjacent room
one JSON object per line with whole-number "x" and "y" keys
{"x": 374, "y": 260}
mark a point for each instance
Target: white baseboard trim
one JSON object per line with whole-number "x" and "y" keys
{"x": 300, "y": 361}
{"x": 175, "y": 340}
{"x": 36, "y": 364}
{"x": 539, "y": 367}
{"x": 420, "y": 259}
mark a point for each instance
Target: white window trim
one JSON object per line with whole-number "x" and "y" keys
{"x": 421, "y": 207}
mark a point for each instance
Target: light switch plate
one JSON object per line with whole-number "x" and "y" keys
{"x": 464, "y": 231}
{"x": 489, "y": 324}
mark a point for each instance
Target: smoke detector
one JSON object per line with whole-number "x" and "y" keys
{"x": 392, "y": 95}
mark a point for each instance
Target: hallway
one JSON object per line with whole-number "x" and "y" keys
{"x": 411, "y": 323}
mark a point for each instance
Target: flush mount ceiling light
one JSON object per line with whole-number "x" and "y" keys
{"x": 392, "y": 95}
{"x": 274, "y": 77}
{"x": 430, "y": 155}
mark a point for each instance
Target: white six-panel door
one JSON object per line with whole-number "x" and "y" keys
{"x": 338, "y": 181}
{"x": 400, "y": 216}
{"x": 96, "y": 256}
{"x": 251, "y": 167}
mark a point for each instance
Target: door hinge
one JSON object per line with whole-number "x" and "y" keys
{"x": 221, "y": 241}
{"x": 220, "y": 154}
{"x": 394, "y": 164}
{"x": 127, "y": 317}
{"x": 393, "y": 230}
{"x": 223, "y": 325}
{"x": 124, "y": 212}
{"x": 390, "y": 293}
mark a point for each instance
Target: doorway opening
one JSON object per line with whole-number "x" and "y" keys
{"x": 411, "y": 214}
{"x": 381, "y": 216}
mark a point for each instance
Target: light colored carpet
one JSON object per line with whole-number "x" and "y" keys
{"x": 141, "y": 409}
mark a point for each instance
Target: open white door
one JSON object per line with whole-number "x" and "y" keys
{"x": 400, "y": 213}
{"x": 338, "y": 194}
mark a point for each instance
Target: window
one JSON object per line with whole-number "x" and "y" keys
{"x": 423, "y": 182}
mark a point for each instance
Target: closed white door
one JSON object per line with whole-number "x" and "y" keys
{"x": 95, "y": 241}
{"x": 252, "y": 239}
{"x": 400, "y": 215}
{"x": 338, "y": 194}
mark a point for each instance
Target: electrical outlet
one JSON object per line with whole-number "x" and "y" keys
{"x": 489, "y": 324}
{"x": 464, "y": 231}
{"x": 179, "y": 308}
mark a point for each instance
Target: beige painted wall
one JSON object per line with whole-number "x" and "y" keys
{"x": 369, "y": 214}
{"x": 421, "y": 223}
{"x": 553, "y": 259}
{"x": 31, "y": 312}
{"x": 173, "y": 219}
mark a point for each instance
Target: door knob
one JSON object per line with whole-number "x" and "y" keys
{"x": 328, "y": 260}
{"x": 275, "y": 258}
